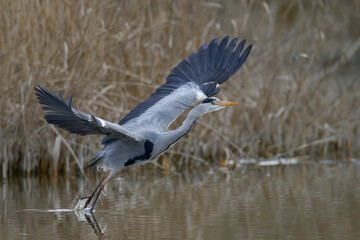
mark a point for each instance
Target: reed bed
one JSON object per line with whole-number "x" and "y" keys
{"x": 299, "y": 92}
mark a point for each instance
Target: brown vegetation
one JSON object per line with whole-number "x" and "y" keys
{"x": 299, "y": 91}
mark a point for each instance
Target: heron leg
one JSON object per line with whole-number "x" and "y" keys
{"x": 90, "y": 196}
{"x": 93, "y": 192}
{"x": 101, "y": 187}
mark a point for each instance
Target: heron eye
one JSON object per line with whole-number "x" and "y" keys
{"x": 213, "y": 102}
{"x": 208, "y": 100}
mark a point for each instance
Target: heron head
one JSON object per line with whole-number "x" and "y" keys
{"x": 214, "y": 104}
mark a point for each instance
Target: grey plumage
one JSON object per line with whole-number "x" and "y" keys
{"x": 142, "y": 136}
{"x": 212, "y": 65}
{"x": 59, "y": 113}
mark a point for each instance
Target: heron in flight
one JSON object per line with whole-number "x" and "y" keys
{"x": 142, "y": 135}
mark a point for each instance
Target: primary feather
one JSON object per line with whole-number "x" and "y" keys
{"x": 60, "y": 114}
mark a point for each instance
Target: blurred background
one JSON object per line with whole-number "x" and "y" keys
{"x": 299, "y": 90}
{"x": 282, "y": 164}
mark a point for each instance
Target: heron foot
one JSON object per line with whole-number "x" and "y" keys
{"x": 80, "y": 205}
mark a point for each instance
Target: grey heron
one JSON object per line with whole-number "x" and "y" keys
{"x": 143, "y": 135}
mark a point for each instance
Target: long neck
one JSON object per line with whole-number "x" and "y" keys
{"x": 181, "y": 131}
{"x": 170, "y": 138}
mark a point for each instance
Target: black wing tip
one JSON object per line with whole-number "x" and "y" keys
{"x": 225, "y": 48}
{"x": 214, "y": 41}
{"x": 202, "y": 48}
{"x": 43, "y": 92}
{"x": 60, "y": 114}
{"x": 54, "y": 107}
{"x": 222, "y": 58}
{"x": 246, "y": 53}
{"x": 226, "y": 40}
{"x": 44, "y": 95}
{"x": 70, "y": 100}
{"x": 249, "y": 47}
{"x": 39, "y": 90}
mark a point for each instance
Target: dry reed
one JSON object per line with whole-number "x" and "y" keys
{"x": 299, "y": 91}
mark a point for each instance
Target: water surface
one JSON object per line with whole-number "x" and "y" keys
{"x": 303, "y": 201}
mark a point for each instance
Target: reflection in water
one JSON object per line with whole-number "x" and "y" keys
{"x": 297, "y": 201}
{"x": 91, "y": 220}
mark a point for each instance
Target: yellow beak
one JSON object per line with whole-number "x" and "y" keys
{"x": 226, "y": 103}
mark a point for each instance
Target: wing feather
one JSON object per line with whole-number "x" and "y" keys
{"x": 213, "y": 49}
{"x": 59, "y": 113}
{"x": 193, "y": 79}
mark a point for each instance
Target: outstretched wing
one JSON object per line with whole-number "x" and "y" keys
{"x": 59, "y": 113}
{"x": 194, "y": 79}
